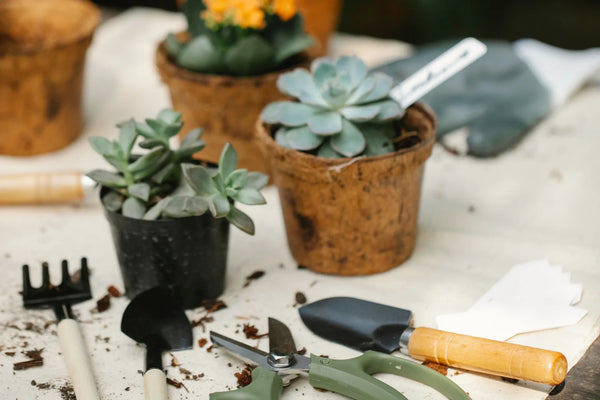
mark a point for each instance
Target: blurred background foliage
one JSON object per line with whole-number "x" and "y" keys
{"x": 573, "y": 24}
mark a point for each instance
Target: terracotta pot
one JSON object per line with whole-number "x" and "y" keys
{"x": 352, "y": 216}
{"x": 42, "y": 54}
{"x": 321, "y": 20}
{"x": 225, "y": 106}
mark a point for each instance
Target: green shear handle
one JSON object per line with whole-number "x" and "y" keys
{"x": 351, "y": 378}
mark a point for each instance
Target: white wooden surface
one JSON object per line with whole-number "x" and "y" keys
{"x": 478, "y": 218}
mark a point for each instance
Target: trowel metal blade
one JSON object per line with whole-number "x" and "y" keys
{"x": 356, "y": 323}
{"x": 157, "y": 316}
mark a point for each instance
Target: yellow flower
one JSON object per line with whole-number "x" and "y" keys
{"x": 245, "y": 13}
{"x": 285, "y": 9}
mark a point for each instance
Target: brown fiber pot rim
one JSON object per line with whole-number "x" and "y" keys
{"x": 170, "y": 68}
{"x": 422, "y": 148}
{"x": 82, "y": 30}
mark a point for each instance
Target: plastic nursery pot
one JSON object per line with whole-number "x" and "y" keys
{"x": 321, "y": 18}
{"x": 188, "y": 255}
{"x": 42, "y": 55}
{"x": 353, "y": 216}
{"x": 225, "y": 106}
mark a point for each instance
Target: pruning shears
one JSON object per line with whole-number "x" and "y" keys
{"x": 351, "y": 378}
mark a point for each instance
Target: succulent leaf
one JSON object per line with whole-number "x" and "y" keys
{"x": 249, "y": 56}
{"x": 192, "y": 138}
{"x": 295, "y": 82}
{"x": 350, "y": 142}
{"x": 327, "y": 123}
{"x": 139, "y": 190}
{"x": 249, "y": 196}
{"x": 382, "y": 86}
{"x": 168, "y": 116}
{"x": 101, "y": 145}
{"x": 147, "y": 162}
{"x": 378, "y": 142}
{"x": 241, "y": 220}
{"x": 270, "y": 114}
{"x": 281, "y": 138}
{"x": 199, "y": 179}
{"x": 256, "y": 180}
{"x": 361, "y": 113}
{"x": 354, "y": 67}
{"x": 112, "y": 201}
{"x": 390, "y": 110}
{"x": 237, "y": 179}
{"x": 323, "y": 74}
{"x": 134, "y": 208}
{"x": 325, "y": 150}
{"x": 107, "y": 178}
{"x": 296, "y": 114}
{"x": 127, "y": 136}
{"x": 303, "y": 138}
{"x": 228, "y": 161}
{"x": 200, "y": 55}
{"x": 184, "y": 206}
{"x": 219, "y": 206}
{"x": 173, "y": 45}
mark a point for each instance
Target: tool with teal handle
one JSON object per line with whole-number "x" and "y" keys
{"x": 351, "y": 378}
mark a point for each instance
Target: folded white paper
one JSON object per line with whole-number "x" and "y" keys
{"x": 530, "y": 297}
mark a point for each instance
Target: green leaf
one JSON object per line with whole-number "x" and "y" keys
{"x": 173, "y": 129}
{"x": 218, "y": 205}
{"x": 328, "y": 123}
{"x": 185, "y": 153}
{"x": 168, "y": 116}
{"x": 192, "y": 11}
{"x": 139, "y": 190}
{"x": 303, "y": 139}
{"x": 288, "y": 37}
{"x": 199, "y": 179}
{"x": 134, "y": 208}
{"x": 378, "y": 142}
{"x": 324, "y": 72}
{"x": 365, "y": 87}
{"x": 249, "y": 196}
{"x": 200, "y": 55}
{"x": 241, "y": 220}
{"x": 157, "y": 127}
{"x": 327, "y": 151}
{"x": 250, "y": 56}
{"x": 148, "y": 161}
{"x": 151, "y": 143}
{"x": 295, "y": 114}
{"x": 390, "y": 110}
{"x": 107, "y": 178}
{"x": 295, "y": 45}
{"x": 295, "y": 82}
{"x": 112, "y": 201}
{"x": 281, "y": 137}
{"x": 101, "y": 145}
{"x": 382, "y": 85}
{"x": 192, "y": 138}
{"x": 257, "y": 180}
{"x": 156, "y": 210}
{"x": 127, "y": 136}
{"x": 228, "y": 161}
{"x": 354, "y": 67}
{"x": 172, "y": 45}
{"x": 350, "y": 141}
{"x": 145, "y": 130}
{"x": 361, "y": 113}
{"x": 237, "y": 179}
{"x": 270, "y": 114}
{"x": 185, "y": 206}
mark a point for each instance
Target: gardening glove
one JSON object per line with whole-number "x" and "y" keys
{"x": 502, "y": 95}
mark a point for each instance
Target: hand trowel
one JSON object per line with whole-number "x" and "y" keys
{"x": 365, "y": 325}
{"x": 156, "y": 318}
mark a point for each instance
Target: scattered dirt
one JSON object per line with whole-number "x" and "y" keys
{"x": 35, "y": 360}
{"x": 67, "y": 392}
{"x": 509, "y": 380}
{"x": 251, "y": 332}
{"x": 174, "y": 382}
{"x": 213, "y": 305}
{"x": 300, "y": 298}
{"x": 302, "y": 351}
{"x": 244, "y": 377}
{"x": 442, "y": 369}
{"x": 103, "y": 304}
{"x": 202, "y": 342}
{"x": 254, "y": 276}
{"x": 113, "y": 291}
{"x": 174, "y": 361}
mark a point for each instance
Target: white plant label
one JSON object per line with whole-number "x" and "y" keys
{"x": 437, "y": 71}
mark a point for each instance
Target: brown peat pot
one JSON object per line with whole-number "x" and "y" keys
{"x": 42, "y": 54}
{"x": 321, "y": 19}
{"x": 225, "y": 106}
{"x": 353, "y": 216}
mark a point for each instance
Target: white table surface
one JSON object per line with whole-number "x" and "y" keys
{"x": 540, "y": 200}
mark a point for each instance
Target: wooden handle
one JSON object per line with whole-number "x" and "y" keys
{"x": 77, "y": 360}
{"x": 41, "y": 188}
{"x": 488, "y": 356}
{"x": 155, "y": 385}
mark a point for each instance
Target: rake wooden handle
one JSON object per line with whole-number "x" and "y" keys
{"x": 488, "y": 356}
{"x": 39, "y": 188}
{"x": 77, "y": 360}
{"x": 155, "y": 385}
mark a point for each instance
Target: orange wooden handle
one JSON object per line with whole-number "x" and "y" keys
{"x": 41, "y": 188}
{"x": 488, "y": 356}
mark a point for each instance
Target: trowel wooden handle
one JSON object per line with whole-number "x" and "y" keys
{"x": 77, "y": 360}
{"x": 488, "y": 356}
{"x": 155, "y": 385}
{"x": 41, "y": 188}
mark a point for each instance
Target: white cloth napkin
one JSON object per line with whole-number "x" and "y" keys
{"x": 532, "y": 296}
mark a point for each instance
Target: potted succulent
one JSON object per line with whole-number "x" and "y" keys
{"x": 348, "y": 163}
{"x": 170, "y": 218}
{"x": 41, "y": 72}
{"x": 222, "y": 71}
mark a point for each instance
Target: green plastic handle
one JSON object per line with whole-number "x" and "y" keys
{"x": 353, "y": 379}
{"x": 266, "y": 385}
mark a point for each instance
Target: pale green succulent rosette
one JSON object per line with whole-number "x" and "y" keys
{"x": 342, "y": 111}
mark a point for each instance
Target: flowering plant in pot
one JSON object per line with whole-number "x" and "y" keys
{"x": 169, "y": 217}
{"x": 348, "y": 163}
{"x": 222, "y": 71}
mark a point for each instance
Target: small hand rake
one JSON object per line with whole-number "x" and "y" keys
{"x": 60, "y": 299}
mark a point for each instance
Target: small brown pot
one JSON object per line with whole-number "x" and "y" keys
{"x": 352, "y": 216}
{"x": 321, "y": 20}
{"x": 42, "y": 54}
{"x": 225, "y": 106}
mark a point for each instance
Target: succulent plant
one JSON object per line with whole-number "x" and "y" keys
{"x": 238, "y": 38}
{"x": 163, "y": 182}
{"x": 216, "y": 190}
{"x": 342, "y": 110}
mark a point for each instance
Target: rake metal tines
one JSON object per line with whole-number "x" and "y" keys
{"x": 58, "y": 297}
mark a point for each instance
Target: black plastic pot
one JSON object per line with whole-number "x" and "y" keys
{"x": 188, "y": 255}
